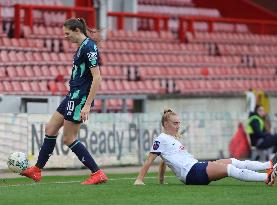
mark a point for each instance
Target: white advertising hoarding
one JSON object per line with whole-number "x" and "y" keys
{"x": 117, "y": 139}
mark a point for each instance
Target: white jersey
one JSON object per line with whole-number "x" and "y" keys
{"x": 174, "y": 155}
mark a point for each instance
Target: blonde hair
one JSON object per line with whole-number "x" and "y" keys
{"x": 166, "y": 115}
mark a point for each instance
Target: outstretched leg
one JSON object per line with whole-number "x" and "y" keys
{"x": 247, "y": 164}
{"x": 51, "y": 132}
{"x": 216, "y": 171}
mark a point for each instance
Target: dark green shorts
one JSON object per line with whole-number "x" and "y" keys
{"x": 71, "y": 107}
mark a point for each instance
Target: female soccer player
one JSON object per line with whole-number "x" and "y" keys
{"x": 191, "y": 172}
{"x": 75, "y": 107}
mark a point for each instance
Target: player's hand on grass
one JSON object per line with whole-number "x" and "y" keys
{"x": 138, "y": 182}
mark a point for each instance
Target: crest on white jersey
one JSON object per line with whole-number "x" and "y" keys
{"x": 156, "y": 145}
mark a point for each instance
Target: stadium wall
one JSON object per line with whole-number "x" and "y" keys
{"x": 119, "y": 139}
{"x": 29, "y": 104}
{"x": 116, "y": 139}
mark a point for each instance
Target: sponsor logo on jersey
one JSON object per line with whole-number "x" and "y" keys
{"x": 92, "y": 56}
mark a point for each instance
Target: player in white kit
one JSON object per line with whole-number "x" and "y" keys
{"x": 191, "y": 172}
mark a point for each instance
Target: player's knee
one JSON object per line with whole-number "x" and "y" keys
{"x": 50, "y": 131}
{"x": 68, "y": 140}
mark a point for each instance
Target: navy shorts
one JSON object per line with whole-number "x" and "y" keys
{"x": 198, "y": 175}
{"x": 71, "y": 107}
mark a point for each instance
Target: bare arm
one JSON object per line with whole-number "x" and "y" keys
{"x": 144, "y": 169}
{"x": 162, "y": 169}
{"x": 92, "y": 92}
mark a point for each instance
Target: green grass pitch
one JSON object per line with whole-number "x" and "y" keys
{"x": 119, "y": 190}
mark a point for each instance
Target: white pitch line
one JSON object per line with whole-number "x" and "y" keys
{"x": 71, "y": 182}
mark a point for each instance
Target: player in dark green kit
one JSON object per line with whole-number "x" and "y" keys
{"x": 75, "y": 107}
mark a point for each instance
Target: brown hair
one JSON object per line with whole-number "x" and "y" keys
{"x": 166, "y": 115}
{"x": 257, "y": 107}
{"x": 80, "y": 23}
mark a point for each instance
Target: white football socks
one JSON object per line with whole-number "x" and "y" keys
{"x": 251, "y": 165}
{"x": 245, "y": 174}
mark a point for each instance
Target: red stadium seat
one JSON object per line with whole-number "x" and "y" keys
{"x": 114, "y": 104}
{"x": 62, "y": 70}
{"x": 61, "y": 88}
{"x": 104, "y": 89}
{"x": 63, "y": 59}
{"x": 7, "y": 43}
{"x": 20, "y": 72}
{"x": 27, "y": 31}
{"x": 10, "y": 71}
{"x": 110, "y": 87}
{"x": 3, "y": 73}
{"x": 45, "y": 57}
{"x": 1, "y": 87}
{"x": 13, "y": 57}
{"x": 38, "y": 57}
{"x": 7, "y": 87}
{"x": 43, "y": 88}
{"x": 26, "y": 87}
{"x": 29, "y": 71}
{"x": 56, "y": 46}
{"x": 97, "y": 105}
{"x": 45, "y": 71}
{"x": 24, "y": 43}
{"x": 35, "y": 87}
{"x": 54, "y": 57}
{"x": 5, "y": 57}
{"x": 37, "y": 71}
{"x": 153, "y": 62}
{"x": 21, "y": 57}
{"x": 118, "y": 86}
{"x": 17, "y": 89}
{"x": 127, "y": 87}
{"x": 53, "y": 71}
{"x": 15, "y": 43}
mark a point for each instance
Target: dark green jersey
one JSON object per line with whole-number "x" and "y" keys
{"x": 85, "y": 58}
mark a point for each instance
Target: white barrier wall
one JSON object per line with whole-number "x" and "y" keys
{"x": 13, "y": 136}
{"x": 118, "y": 139}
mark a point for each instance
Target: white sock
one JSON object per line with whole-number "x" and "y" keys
{"x": 245, "y": 174}
{"x": 251, "y": 165}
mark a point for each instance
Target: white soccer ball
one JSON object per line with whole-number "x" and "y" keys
{"x": 18, "y": 162}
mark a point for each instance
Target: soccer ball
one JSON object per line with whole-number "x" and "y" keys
{"x": 18, "y": 162}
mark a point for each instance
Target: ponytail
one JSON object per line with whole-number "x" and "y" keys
{"x": 80, "y": 23}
